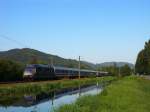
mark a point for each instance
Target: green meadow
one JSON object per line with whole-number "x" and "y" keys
{"x": 128, "y": 94}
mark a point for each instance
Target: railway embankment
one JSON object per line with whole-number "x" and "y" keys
{"x": 129, "y": 94}
{"x": 47, "y": 86}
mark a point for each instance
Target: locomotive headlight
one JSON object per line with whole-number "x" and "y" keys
{"x": 26, "y": 73}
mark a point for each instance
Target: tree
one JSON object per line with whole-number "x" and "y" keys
{"x": 113, "y": 70}
{"x": 125, "y": 70}
{"x": 143, "y": 60}
{"x": 141, "y": 64}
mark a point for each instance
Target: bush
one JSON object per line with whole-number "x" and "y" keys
{"x": 125, "y": 70}
{"x": 10, "y": 71}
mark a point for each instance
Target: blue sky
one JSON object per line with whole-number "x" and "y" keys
{"x": 97, "y": 30}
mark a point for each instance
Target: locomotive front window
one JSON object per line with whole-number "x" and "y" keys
{"x": 30, "y": 70}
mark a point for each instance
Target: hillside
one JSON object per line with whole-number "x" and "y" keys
{"x": 26, "y": 55}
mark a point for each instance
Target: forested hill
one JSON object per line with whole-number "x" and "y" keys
{"x": 27, "y": 56}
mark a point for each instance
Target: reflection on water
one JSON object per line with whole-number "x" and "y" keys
{"x": 46, "y": 102}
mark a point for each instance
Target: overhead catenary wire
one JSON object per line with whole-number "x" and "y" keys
{"x": 14, "y": 41}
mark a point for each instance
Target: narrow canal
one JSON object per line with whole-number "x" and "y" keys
{"x": 47, "y": 102}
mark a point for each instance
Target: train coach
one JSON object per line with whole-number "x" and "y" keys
{"x": 43, "y": 72}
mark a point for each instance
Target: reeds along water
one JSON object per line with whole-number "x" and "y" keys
{"x": 10, "y": 94}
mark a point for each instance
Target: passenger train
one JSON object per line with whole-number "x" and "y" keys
{"x": 43, "y": 72}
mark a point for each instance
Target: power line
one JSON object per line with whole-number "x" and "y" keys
{"x": 14, "y": 41}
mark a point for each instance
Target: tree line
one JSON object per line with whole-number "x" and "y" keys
{"x": 117, "y": 71}
{"x": 10, "y": 70}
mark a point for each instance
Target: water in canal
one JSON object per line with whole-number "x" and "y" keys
{"x": 47, "y": 102}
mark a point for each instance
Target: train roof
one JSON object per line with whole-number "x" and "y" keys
{"x": 73, "y": 69}
{"x": 60, "y": 68}
{"x": 64, "y": 68}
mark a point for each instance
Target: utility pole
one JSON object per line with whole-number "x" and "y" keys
{"x": 79, "y": 67}
{"x": 119, "y": 72}
{"x": 134, "y": 71}
{"x": 51, "y": 61}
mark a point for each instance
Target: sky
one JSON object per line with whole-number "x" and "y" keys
{"x": 97, "y": 30}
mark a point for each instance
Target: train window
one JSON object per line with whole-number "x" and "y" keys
{"x": 59, "y": 71}
{"x": 65, "y": 71}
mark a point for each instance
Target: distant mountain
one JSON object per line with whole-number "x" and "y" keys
{"x": 92, "y": 65}
{"x": 26, "y": 55}
{"x": 118, "y": 64}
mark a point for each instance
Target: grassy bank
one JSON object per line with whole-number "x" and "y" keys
{"x": 47, "y": 86}
{"x": 130, "y": 94}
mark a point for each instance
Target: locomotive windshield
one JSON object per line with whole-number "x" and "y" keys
{"x": 29, "y": 70}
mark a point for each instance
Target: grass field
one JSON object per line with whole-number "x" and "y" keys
{"x": 130, "y": 94}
